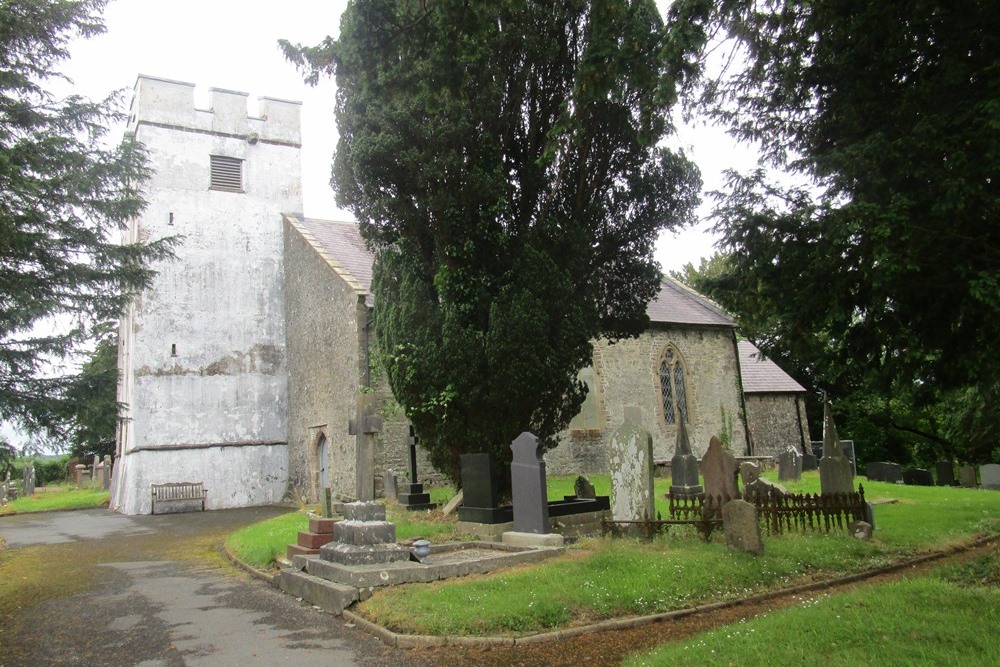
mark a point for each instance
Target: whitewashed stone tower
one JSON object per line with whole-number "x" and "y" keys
{"x": 202, "y": 353}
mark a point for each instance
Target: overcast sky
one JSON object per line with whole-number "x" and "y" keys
{"x": 232, "y": 44}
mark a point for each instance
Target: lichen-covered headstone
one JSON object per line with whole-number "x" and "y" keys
{"x": 719, "y": 469}
{"x": 835, "y": 472}
{"x": 742, "y": 529}
{"x": 583, "y": 488}
{"x": 684, "y": 466}
{"x": 527, "y": 481}
{"x": 789, "y": 465}
{"x": 967, "y": 477}
{"x": 989, "y": 474}
{"x": 631, "y": 465}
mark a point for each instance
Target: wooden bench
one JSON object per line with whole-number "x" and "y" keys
{"x": 179, "y": 492}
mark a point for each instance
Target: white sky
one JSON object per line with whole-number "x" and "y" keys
{"x": 233, "y": 44}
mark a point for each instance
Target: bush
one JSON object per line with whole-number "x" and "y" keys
{"x": 48, "y": 470}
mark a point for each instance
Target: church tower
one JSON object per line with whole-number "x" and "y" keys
{"x": 202, "y": 362}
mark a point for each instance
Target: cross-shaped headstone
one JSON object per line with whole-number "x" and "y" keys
{"x": 412, "y": 440}
{"x": 364, "y": 426}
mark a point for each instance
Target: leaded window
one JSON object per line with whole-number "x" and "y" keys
{"x": 672, "y": 387}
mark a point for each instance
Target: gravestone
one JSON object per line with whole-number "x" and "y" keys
{"x": 945, "y": 473}
{"x": 742, "y": 529}
{"x": 326, "y": 503}
{"x": 749, "y": 473}
{"x": 918, "y": 477}
{"x": 809, "y": 461}
{"x": 93, "y": 469}
{"x": 719, "y": 469}
{"x": 989, "y": 475}
{"x": 412, "y": 496}
{"x": 835, "y": 471}
{"x": 789, "y": 465}
{"x": 862, "y": 530}
{"x": 527, "y": 483}
{"x": 582, "y": 488}
{"x": 846, "y": 446}
{"x": 78, "y": 473}
{"x": 967, "y": 477}
{"x": 364, "y": 426}
{"x": 28, "y": 478}
{"x": 631, "y": 465}
{"x": 684, "y": 466}
{"x": 108, "y": 472}
{"x": 884, "y": 471}
{"x": 481, "y": 496}
{"x": 390, "y": 486}
{"x": 453, "y": 504}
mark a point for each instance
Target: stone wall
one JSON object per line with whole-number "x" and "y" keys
{"x": 325, "y": 321}
{"x": 775, "y": 423}
{"x": 201, "y": 356}
{"x": 627, "y": 373}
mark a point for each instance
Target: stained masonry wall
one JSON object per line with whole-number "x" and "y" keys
{"x": 326, "y": 340}
{"x": 202, "y": 355}
{"x": 775, "y": 423}
{"x": 627, "y": 373}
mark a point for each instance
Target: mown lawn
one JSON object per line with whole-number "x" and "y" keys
{"x": 599, "y": 579}
{"x": 948, "y": 617}
{"x": 59, "y": 498}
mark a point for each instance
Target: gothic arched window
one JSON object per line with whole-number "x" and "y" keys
{"x": 672, "y": 386}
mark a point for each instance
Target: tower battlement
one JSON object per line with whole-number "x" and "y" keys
{"x": 166, "y": 102}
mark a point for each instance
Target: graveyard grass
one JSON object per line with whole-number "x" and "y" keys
{"x": 599, "y": 579}
{"x": 261, "y": 544}
{"x": 58, "y": 498}
{"x": 959, "y": 613}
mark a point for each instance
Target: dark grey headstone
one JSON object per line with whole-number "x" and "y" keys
{"x": 749, "y": 473}
{"x": 583, "y": 488}
{"x": 527, "y": 483}
{"x": 945, "y": 473}
{"x": 809, "y": 462}
{"x": 742, "y": 529}
{"x": 918, "y": 477}
{"x": 684, "y": 466}
{"x": 789, "y": 465}
{"x": 481, "y": 497}
{"x": 478, "y": 484}
{"x": 884, "y": 471}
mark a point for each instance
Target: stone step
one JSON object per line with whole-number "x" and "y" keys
{"x": 294, "y": 550}
{"x": 318, "y": 524}
{"x": 326, "y": 595}
{"x": 311, "y": 540}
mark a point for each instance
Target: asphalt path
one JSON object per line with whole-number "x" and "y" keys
{"x": 158, "y": 594}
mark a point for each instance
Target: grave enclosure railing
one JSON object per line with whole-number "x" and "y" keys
{"x": 781, "y": 512}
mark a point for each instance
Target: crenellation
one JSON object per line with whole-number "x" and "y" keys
{"x": 166, "y": 102}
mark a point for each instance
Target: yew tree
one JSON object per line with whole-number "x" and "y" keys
{"x": 879, "y": 271}
{"x": 506, "y": 163}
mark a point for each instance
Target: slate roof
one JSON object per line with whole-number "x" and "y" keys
{"x": 763, "y": 376}
{"x": 341, "y": 245}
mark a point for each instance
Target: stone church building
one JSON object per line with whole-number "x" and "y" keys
{"x": 241, "y": 366}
